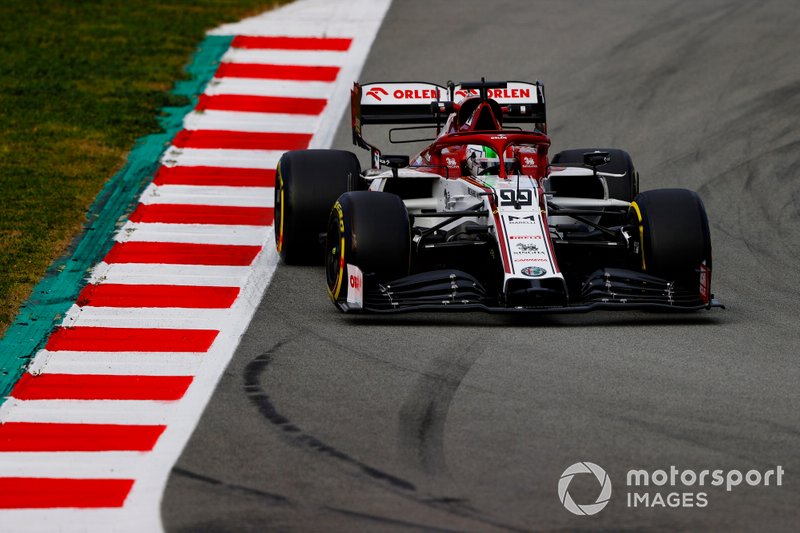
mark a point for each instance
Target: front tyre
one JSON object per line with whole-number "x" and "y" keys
{"x": 369, "y": 231}
{"x": 674, "y": 239}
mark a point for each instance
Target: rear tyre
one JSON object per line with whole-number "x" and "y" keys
{"x": 674, "y": 238}
{"x": 620, "y": 162}
{"x": 369, "y": 230}
{"x": 307, "y": 183}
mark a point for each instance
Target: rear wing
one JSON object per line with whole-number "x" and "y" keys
{"x": 423, "y": 103}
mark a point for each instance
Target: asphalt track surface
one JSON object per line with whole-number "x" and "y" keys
{"x": 466, "y": 421}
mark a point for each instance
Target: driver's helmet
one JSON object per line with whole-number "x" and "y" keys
{"x": 479, "y": 158}
{"x": 482, "y": 160}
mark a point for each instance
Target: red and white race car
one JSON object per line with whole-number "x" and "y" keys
{"x": 481, "y": 218}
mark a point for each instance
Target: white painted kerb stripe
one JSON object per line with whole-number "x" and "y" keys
{"x": 193, "y": 233}
{"x": 217, "y": 196}
{"x": 76, "y": 465}
{"x": 258, "y": 87}
{"x": 147, "y": 317}
{"x": 117, "y": 364}
{"x": 150, "y": 274}
{"x": 310, "y": 58}
{"x": 250, "y": 122}
{"x": 127, "y": 412}
{"x": 221, "y": 158}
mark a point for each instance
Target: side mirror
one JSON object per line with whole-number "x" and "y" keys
{"x": 394, "y": 162}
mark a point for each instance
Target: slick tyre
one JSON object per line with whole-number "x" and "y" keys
{"x": 620, "y": 162}
{"x": 307, "y": 183}
{"x": 673, "y": 232}
{"x": 371, "y": 231}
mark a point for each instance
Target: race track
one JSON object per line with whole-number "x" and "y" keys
{"x": 466, "y": 421}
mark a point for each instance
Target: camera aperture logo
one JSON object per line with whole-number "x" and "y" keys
{"x": 589, "y": 508}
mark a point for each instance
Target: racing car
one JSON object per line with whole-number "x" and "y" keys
{"x": 482, "y": 218}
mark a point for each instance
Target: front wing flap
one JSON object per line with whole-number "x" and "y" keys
{"x": 454, "y": 290}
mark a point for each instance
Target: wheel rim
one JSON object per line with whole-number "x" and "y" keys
{"x": 278, "y": 210}
{"x": 334, "y": 255}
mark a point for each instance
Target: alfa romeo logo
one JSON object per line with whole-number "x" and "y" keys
{"x": 590, "y": 508}
{"x": 534, "y": 272}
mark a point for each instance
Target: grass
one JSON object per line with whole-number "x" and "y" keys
{"x": 79, "y": 83}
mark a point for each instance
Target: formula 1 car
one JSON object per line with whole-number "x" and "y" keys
{"x": 481, "y": 219}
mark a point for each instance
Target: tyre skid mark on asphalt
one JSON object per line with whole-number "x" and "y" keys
{"x": 423, "y": 414}
{"x": 252, "y": 378}
{"x": 261, "y": 400}
{"x": 266, "y": 496}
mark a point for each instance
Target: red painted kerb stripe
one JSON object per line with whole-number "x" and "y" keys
{"x": 38, "y": 437}
{"x": 203, "y": 214}
{"x": 276, "y": 72}
{"x": 101, "y": 339}
{"x": 213, "y": 176}
{"x": 240, "y": 140}
{"x": 42, "y": 493}
{"x": 335, "y": 44}
{"x": 123, "y": 295}
{"x": 261, "y": 104}
{"x": 173, "y": 253}
{"x": 100, "y": 387}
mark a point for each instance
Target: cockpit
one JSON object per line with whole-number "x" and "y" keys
{"x": 479, "y": 159}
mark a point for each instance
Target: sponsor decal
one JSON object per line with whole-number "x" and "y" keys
{"x": 355, "y": 290}
{"x": 377, "y": 93}
{"x": 531, "y": 260}
{"x": 497, "y": 94}
{"x": 530, "y": 219}
{"x": 527, "y": 248}
{"x": 528, "y": 161}
{"x": 450, "y": 162}
{"x": 416, "y": 94}
{"x": 588, "y": 509}
{"x": 705, "y": 293}
{"x": 526, "y": 237}
{"x": 534, "y": 272}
